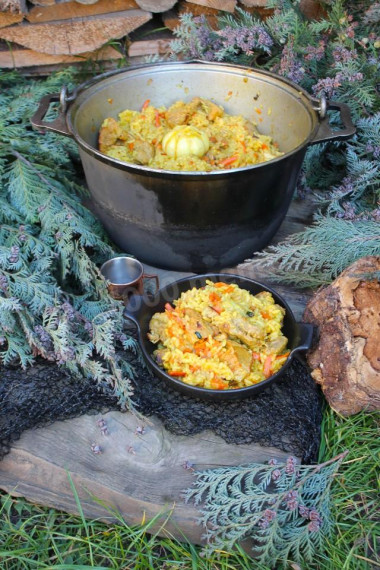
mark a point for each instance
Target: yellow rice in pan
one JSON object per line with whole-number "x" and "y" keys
{"x": 138, "y": 137}
{"x": 220, "y": 337}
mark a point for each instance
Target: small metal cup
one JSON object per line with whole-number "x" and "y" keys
{"x": 125, "y": 276}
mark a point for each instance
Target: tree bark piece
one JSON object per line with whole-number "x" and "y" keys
{"x": 70, "y": 10}
{"x": 156, "y": 5}
{"x": 223, "y": 5}
{"x": 346, "y": 359}
{"x": 77, "y": 36}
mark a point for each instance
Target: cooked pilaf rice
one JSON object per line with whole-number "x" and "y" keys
{"x": 138, "y": 137}
{"x": 220, "y": 337}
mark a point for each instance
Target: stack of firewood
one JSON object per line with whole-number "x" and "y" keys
{"x": 55, "y": 32}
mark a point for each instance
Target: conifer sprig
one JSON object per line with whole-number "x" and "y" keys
{"x": 283, "y": 508}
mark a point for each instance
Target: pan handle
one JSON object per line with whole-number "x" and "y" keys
{"x": 134, "y": 306}
{"x": 325, "y": 132}
{"x": 306, "y": 332}
{"x": 59, "y": 125}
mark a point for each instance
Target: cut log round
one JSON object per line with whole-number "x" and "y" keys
{"x": 75, "y": 36}
{"x": 346, "y": 359}
{"x": 156, "y": 5}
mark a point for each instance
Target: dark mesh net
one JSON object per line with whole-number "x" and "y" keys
{"x": 287, "y": 415}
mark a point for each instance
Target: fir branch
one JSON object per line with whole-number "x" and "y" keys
{"x": 283, "y": 508}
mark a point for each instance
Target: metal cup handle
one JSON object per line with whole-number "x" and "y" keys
{"x": 156, "y": 279}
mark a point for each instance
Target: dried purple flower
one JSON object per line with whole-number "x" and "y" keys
{"x": 304, "y": 511}
{"x": 290, "y": 465}
{"x": 96, "y": 449}
{"x": 247, "y": 39}
{"x": 276, "y": 474}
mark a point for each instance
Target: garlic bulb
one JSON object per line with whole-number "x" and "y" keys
{"x": 185, "y": 140}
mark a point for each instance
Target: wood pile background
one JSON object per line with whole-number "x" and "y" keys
{"x": 42, "y": 35}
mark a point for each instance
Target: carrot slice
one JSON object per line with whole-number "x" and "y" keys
{"x": 145, "y": 105}
{"x": 177, "y": 373}
{"x": 268, "y": 366}
{"x": 229, "y": 160}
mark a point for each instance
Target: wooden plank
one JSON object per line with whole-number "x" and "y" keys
{"x": 17, "y": 58}
{"x": 69, "y": 10}
{"x": 222, "y": 5}
{"x": 75, "y": 36}
{"x": 140, "y": 476}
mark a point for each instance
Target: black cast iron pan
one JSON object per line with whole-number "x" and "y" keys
{"x": 141, "y": 308}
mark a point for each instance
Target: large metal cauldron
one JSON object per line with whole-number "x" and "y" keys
{"x": 193, "y": 221}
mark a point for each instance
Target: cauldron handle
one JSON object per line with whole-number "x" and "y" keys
{"x": 59, "y": 124}
{"x": 325, "y": 132}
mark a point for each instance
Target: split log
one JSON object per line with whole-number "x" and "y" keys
{"x": 222, "y": 5}
{"x": 8, "y": 19}
{"x": 171, "y": 19}
{"x": 43, "y": 2}
{"x": 149, "y": 47}
{"x": 12, "y": 12}
{"x": 254, "y": 3}
{"x": 70, "y": 37}
{"x": 156, "y": 5}
{"x": 21, "y": 58}
{"x": 346, "y": 359}
{"x": 69, "y": 10}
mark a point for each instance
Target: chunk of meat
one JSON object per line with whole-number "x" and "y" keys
{"x": 251, "y": 129}
{"x": 243, "y": 355}
{"x": 245, "y": 331}
{"x": 214, "y": 111}
{"x": 158, "y": 325}
{"x": 279, "y": 345}
{"x": 143, "y": 152}
{"x": 109, "y": 132}
{"x": 177, "y": 114}
{"x": 195, "y": 323}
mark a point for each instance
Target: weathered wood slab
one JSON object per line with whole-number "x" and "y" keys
{"x": 141, "y": 476}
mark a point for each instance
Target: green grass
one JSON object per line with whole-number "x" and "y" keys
{"x": 36, "y": 537}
